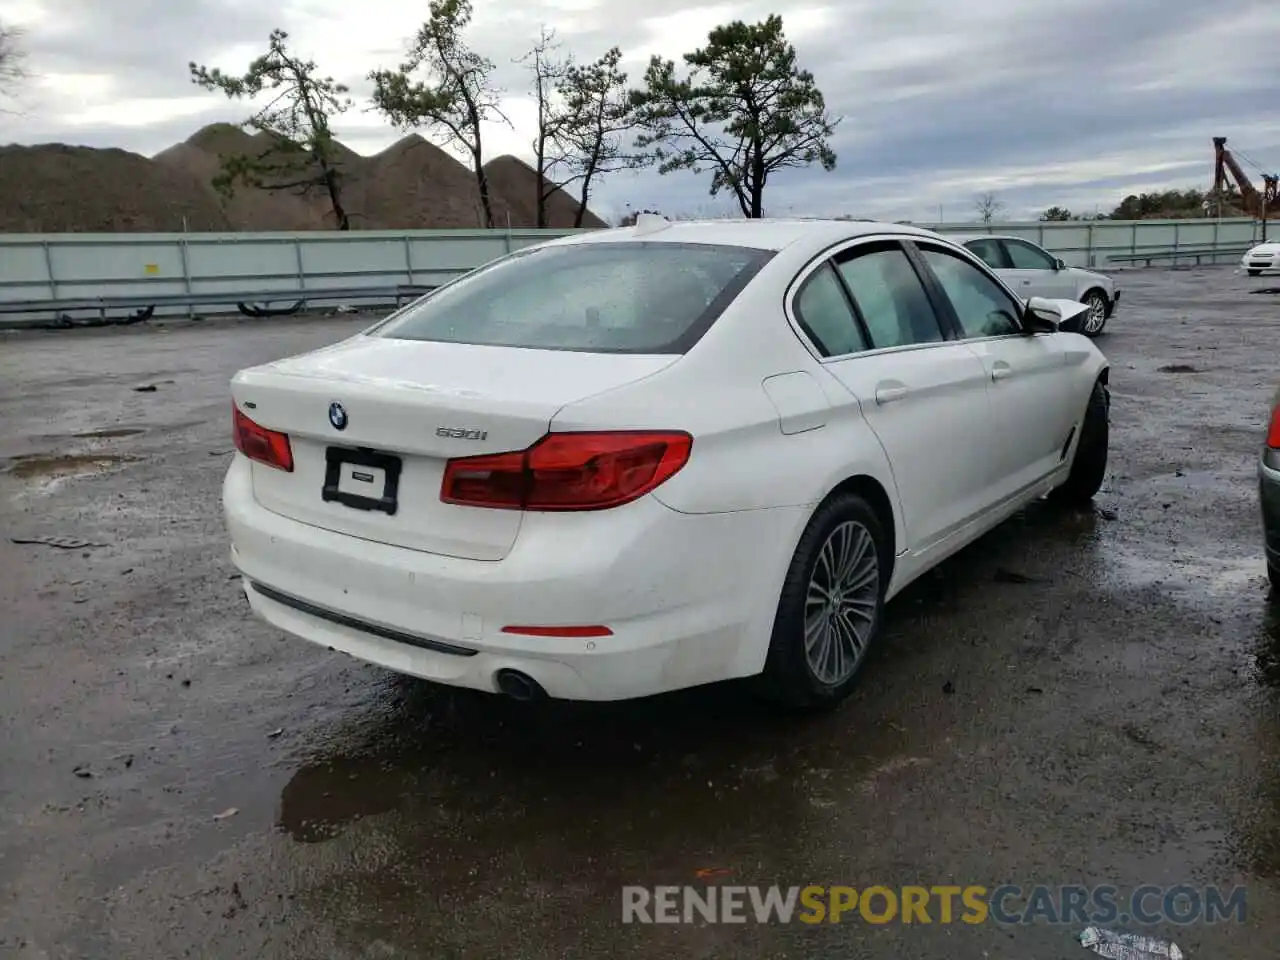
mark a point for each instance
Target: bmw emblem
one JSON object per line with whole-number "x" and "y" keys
{"x": 338, "y": 415}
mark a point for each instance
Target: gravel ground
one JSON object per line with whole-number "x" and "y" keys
{"x": 1080, "y": 698}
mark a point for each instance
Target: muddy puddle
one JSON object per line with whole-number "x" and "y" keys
{"x": 39, "y": 466}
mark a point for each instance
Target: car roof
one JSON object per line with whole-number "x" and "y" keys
{"x": 764, "y": 234}
{"x": 966, "y": 237}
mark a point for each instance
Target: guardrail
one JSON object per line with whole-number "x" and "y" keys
{"x": 98, "y": 274}
{"x": 176, "y": 273}
{"x": 1096, "y": 244}
{"x": 250, "y": 304}
{"x": 1174, "y": 254}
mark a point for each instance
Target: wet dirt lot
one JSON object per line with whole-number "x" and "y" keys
{"x": 1080, "y": 698}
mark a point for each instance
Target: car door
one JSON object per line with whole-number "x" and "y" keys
{"x": 1032, "y": 405}
{"x": 923, "y": 395}
{"x": 1033, "y": 272}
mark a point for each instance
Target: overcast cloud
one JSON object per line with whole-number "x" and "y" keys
{"x": 1070, "y": 102}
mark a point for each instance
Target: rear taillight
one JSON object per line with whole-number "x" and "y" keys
{"x": 258, "y": 443}
{"x": 1273, "y": 428}
{"x": 568, "y": 471}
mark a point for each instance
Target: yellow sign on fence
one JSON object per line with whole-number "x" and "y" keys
{"x": 152, "y": 268}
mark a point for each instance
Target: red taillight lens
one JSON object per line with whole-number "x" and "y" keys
{"x": 258, "y": 443}
{"x": 569, "y": 471}
{"x": 1273, "y": 428}
{"x": 570, "y": 632}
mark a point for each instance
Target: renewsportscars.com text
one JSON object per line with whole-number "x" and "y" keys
{"x": 973, "y": 904}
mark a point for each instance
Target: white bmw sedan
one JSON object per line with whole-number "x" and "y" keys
{"x": 635, "y": 460}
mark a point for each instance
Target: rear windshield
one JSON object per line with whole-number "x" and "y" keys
{"x": 616, "y": 297}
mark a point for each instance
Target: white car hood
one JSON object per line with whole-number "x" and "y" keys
{"x": 1270, "y": 246}
{"x": 1099, "y": 278}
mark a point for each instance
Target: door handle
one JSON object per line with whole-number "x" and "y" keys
{"x": 1001, "y": 371}
{"x": 1026, "y": 283}
{"x": 889, "y": 394}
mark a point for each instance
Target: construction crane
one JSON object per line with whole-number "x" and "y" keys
{"x": 1261, "y": 204}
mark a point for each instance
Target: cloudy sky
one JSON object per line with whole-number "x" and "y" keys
{"x": 1071, "y": 102}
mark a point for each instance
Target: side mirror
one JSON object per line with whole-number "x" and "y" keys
{"x": 1059, "y": 264}
{"x": 1043, "y": 315}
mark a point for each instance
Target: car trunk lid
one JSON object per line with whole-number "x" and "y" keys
{"x": 407, "y": 407}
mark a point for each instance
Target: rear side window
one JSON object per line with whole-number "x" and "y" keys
{"x": 989, "y": 252}
{"x": 824, "y": 312}
{"x": 890, "y": 297}
{"x": 611, "y": 297}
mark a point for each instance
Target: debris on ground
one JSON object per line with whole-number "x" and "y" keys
{"x": 83, "y": 772}
{"x": 275, "y": 733}
{"x": 225, "y": 814}
{"x": 1127, "y": 946}
{"x": 62, "y": 543}
{"x": 1012, "y": 576}
{"x": 1177, "y": 368}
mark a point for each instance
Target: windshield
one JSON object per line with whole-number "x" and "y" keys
{"x": 624, "y": 297}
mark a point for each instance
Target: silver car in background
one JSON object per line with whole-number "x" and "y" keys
{"x": 1032, "y": 271}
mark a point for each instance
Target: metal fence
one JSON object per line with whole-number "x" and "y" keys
{"x": 72, "y": 266}
{"x": 1093, "y": 243}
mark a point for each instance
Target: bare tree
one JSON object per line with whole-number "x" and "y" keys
{"x": 988, "y": 206}
{"x": 301, "y": 154}
{"x": 456, "y": 96}
{"x": 12, "y": 59}
{"x": 598, "y": 111}
{"x": 548, "y": 73}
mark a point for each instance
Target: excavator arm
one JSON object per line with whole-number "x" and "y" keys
{"x": 1261, "y": 204}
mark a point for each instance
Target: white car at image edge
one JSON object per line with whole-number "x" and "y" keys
{"x": 1264, "y": 258}
{"x": 636, "y": 460}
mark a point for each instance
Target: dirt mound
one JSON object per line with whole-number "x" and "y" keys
{"x": 415, "y": 184}
{"x": 519, "y": 184}
{"x": 411, "y": 185}
{"x": 54, "y": 188}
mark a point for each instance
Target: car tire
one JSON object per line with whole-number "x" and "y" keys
{"x": 1090, "y": 463}
{"x": 844, "y": 530}
{"x": 1255, "y": 273}
{"x": 1094, "y": 321}
{"x": 1273, "y": 574}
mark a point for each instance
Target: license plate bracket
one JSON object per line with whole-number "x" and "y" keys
{"x": 343, "y": 470}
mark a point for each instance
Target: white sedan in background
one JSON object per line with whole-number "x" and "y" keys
{"x": 1032, "y": 271}
{"x": 635, "y": 460}
{"x": 1265, "y": 257}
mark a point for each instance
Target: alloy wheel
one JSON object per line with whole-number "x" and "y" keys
{"x": 1097, "y": 314}
{"x": 841, "y": 602}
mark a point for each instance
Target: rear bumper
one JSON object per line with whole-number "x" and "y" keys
{"x": 1269, "y": 501}
{"x": 690, "y": 598}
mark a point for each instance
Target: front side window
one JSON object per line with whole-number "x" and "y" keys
{"x": 607, "y": 297}
{"x": 1026, "y": 256}
{"x": 890, "y": 297}
{"x": 983, "y": 309}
